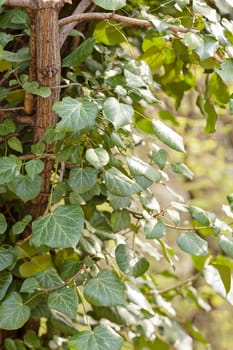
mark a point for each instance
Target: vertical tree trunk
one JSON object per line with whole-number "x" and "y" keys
{"x": 48, "y": 66}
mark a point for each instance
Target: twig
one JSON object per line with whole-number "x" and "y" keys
{"x": 102, "y": 16}
{"x": 82, "y": 7}
{"x": 20, "y": 119}
{"x": 190, "y": 228}
{"x": 180, "y": 284}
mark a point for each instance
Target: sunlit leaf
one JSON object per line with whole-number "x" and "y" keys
{"x": 168, "y": 136}
{"x": 110, "y": 5}
{"x": 226, "y": 244}
{"x": 119, "y": 184}
{"x": 97, "y": 157}
{"x": 193, "y": 244}
{"x": 130, "y": 262}
{"x": 119, "y": 114}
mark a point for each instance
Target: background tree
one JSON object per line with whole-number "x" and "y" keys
{"x": 89, "y": 143}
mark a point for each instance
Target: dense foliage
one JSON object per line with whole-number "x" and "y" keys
{"x": 87, "y": 270}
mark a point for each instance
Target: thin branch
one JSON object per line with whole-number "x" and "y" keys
{"x": 181, "y": 284}
{"x": 82, "y": 7}
{"x": 188, "y": 228}
{"x": 103, "y": 16}
{"x": 20, "y": 119}
{"x": 17, "y": 3}
{"x": 86, "y": 17}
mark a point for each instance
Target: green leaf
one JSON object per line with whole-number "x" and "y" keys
{"x": 225, "y": 274}
{"x": 97, "y": 157}
{"x": 15, "y": 144}
{"x": 64, "y": 300}
{"x": 218, "y": 90}
{"x": 13, "y": 313}
{"x": 202, "y": 216}
{"x": 102, "y": 338}
{"x": 80, "y": 54}
{"x": 7, "y": 127}
{"x": 160, "y": 158}
{"x": 119, "y": 114}
{"x": 139, "y": 168}
{"x": 3, "y": 224}
{"x": 119, "y": 184}
{"x": 226, "y": 70}
{"x": 62, "y": 228}
{"x": 211, "y": 116}
{"x": 49, "y": 279}
{"x": 130, "y": 262}
{"x": 9, "y": 169}
{"x": 107, "y": 34}
{"x": 25, "y": 187}
{"x": 34, "y": 88}
{"x": 76, "y": 114}
{"x": 120, "y": 220}
{"x": 34, "y": 167}
{"x": 5, "y": 281}
{"x": 191, "y": 243}
{"x": 29, "y": 285}
{"x": 154, "y": 229}
{"x": 182, "y": 169}
{"x": 105, "y": 289}
{"x": 110, "y": 5}
{"x": 118, "y": 202}
{"x": 226, "y": 244}
{"x": 82, "y": 179}
{"x": 20, "y": 226}
{"x": 168, "y": 136}
{"x": 6, "y": 258}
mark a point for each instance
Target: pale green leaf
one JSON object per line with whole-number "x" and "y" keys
{"x": 168, "y": 136}
{"x": 5, "y": 281}
{"x": 64, "y": 300}
{"x": 9, "y": 169}
{"x": 15, "y": 144}
{"x": 62, "y": 228}
{"x": 29, "y": 285}
{"x": 80, "y": 54}
{"x": 225, "y": 274}
{"x": 76, "y": 114}
{"x": 82, "y": 179}
{"x": 137, "y": 167}
{"x": 119, "y": 114}
{"x": 120, "y": 220}
{"x": 205, "y": 218}
{"x": 118, "y": 202}
{"x": 107, "y": 34}
{"x": 154, "y": 229}
{"x": 3, "y": 224}
{"x": 160, "y": 158}
{"x": 6, "y": 258}
{"x": 110, "y": 5}
{"x": 20, "y": 226}
{"x": 49, "y": 279}
{"x": 34, "y": 88}
{"x": 193, "y": 244}
{"x": 226, "y": 244}
{"x": 119, "y": 184}
{"x": 105, "y": 289}
{"x": 97, "y": 157}
{"x": 25, "y": 187}
{"x": 130, "y": 262}
{"x": 182, "y": 169}
{"x": 13, "y": 313}
{"x": 34, "y": 167}
{"x": 226, "y": 70}
{"x": 102, "y": 338}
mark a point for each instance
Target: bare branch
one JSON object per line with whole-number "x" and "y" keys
{"x": 82, "y": 7}
{"x": 81, "y": 17}
{"x": 20, "y": 119}
{"x": 17, "y": 3}
{"x": 103, "y": 16}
